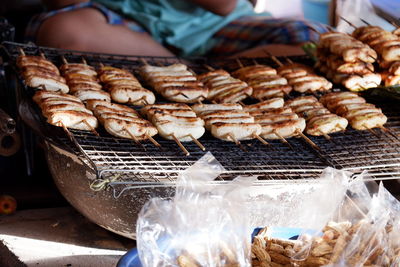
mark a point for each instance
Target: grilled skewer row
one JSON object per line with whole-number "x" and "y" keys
{"x": 175, "y": 120}
{"x": 303, "y": 79}
{"x": 228, "y": 122}
{"x": 318, "y": 119}
{"x": 78, "y": 68}
{"x": 40, "y": 73}
{"x": 83, "y": 82}
{"x": 124, "y": 87}
{"x": 65, "y": 110}
{"x": 385, "y": 43}
{"x": 355, "y": 76}
{"x": 346, "y": 47}
{"x": 175, "y": 83}
{"x": 264, "y": 81}
{"x": 223, "y": 88}
{"x": 361, "y": 115}
{"x": 276, "y": 120}
{"x": 121, "y": 121}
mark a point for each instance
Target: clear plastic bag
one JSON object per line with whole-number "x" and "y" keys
{"x": 205, "y": 224}
{"x": 363, "y": 229}
{"x": 297, "y": 204}
{"x": 360, "y": 234}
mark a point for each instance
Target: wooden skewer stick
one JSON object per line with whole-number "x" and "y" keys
{"x": 386, "y": 130}
{"x": 283, "y": 140}
{"x": 327, "y": 137}
{"x": 60, "y": 123}
{"x": 241, "y": 103}
{"x": 289, "y": 60}
{"x": 84, "y": 61}
{"x": 209, "y": 67}
{"x": 274, "y": 58}
{"x": 237, "y": 142}
{"x": 394, "y": 23}
{"x": 42, "y": 55}
{"x": 348, "y": 22}
{"x": 64, "y": 60}
{"x": 93, "y": 130}
{"x": 340, "y": 127}
{"x": 199, "y": 101}
{"x": 262, "y": 140}
{"x": 308, "y": 140}
{"x": 144, "y": 61}
{"x": 180, "y": 145}
{"x": 366, "y": 22}
{"x": 101, "y": 65}
{"x": 152, "y": 140}
{"x": 239, "y": 63}
{"x": 197, "y": 142}
{"x": 21, "y": 51}
{"x": 134, "y": 138}
{"x": 370, "y": 130}
{"x": 180, "y": 93}
{"x": 255, "y": 62}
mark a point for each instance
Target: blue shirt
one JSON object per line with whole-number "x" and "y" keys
{"x": 178, "y": 23}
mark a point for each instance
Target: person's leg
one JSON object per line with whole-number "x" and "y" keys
{"x": 87, "y": 29}
{"x": 250, "y": 32}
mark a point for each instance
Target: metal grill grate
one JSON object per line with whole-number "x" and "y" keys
{"x": 378, "y": 152}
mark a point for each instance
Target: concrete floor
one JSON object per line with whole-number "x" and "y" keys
{"x": 58, "y": 237}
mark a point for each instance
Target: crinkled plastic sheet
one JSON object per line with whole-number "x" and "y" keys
{"x": 205, "y": 224}
{"x": 366, "y": 225}
{"x": 307, "y": 205}
{"x": 209, "y": 223}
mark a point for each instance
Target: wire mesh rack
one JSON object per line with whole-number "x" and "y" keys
{"x": 128, "y": 165}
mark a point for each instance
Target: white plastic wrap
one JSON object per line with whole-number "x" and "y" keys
{"x": 205, "y": 224}
{"x": 362, "y": 233}
{"x": 296, "y": 204}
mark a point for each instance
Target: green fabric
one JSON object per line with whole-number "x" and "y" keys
{"x": 179, "y": 23}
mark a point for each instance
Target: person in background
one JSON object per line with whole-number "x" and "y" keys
{"x": 164, "y": 27}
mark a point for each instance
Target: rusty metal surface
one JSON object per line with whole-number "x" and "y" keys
{"x": 72, "y": 177}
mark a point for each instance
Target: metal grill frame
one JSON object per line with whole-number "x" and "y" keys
{"x": 127, "y": 166}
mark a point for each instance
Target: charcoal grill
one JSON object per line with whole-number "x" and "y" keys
{"x": 109, "y": 179}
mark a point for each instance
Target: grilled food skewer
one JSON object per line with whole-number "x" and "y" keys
{"x": 176, "y": 121}
{"x": 174, "y": 82}
{"x": 90, "y": 127}
{"x": 37, "y": 71}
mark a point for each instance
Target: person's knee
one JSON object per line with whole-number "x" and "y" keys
{"x": 63, "y": 31}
